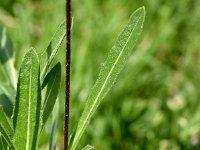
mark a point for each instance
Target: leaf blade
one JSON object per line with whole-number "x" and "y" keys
{"x": 52, "y": 81}
{"x": 115, "y": 62}
{"x": 28, "y": 103}
{"x": 52, "y": 49}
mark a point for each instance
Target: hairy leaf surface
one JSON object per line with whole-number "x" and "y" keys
{"x": 115, "y": 62}
{"x": 26, "y": 119}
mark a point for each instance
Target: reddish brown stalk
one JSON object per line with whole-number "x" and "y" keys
{"x": 67, "y": 98}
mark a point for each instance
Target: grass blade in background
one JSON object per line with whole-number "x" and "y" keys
{"x": 5, "y": 127}
{"x": 7, "y": 90}
{"x": 111, "y": 68}
{"x": 55, "y": 121}
{"x": 48, "y": 55}
{"x": 7, "y": 98}
{"x": 52, "y": 142}
{"x": 26, "y": 119}
{"x": 6, "y": 54}
{"x": 6, "y": 104}
{"x": 52, "y": 81}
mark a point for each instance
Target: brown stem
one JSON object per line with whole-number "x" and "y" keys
{"x": 67, "y": 98}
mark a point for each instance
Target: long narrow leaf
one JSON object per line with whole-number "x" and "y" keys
{"x": 6, "y": 127}
{"x": 111, "y": 68}
{"x": 52, "y": 81}
{"x": 26, "y": 119}
{"x": 49, "y": 54}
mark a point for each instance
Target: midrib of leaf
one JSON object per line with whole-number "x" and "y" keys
{"x": 29, "y": 111}
{"x": 109, "y": 75}
{"x": 26, "y": 116}
{"x": 11, "y": 75}
{"x": 81, "y": 126}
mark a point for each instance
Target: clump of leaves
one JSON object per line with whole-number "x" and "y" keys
{"x": 30, "y": 113}
{"x": 30, "y": 109}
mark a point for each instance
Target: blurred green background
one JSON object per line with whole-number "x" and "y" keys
{"x": 155, "y": 103}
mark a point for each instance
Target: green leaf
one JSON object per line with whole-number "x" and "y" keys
{"x": 52, "y": 81}
{"x": 6, "y": 54}
{"x": 115, "y": 62}
{"x": 26, "y": 118}
{"x": 49, "y": 54}
{"x": 6, "y": 127}
{"x": 88, "y": 147}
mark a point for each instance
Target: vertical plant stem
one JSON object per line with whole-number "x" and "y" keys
{"x": 68, "y": 16}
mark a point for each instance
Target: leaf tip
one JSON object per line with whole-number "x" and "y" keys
{"x": 141, "y": 10}
{"x": 144, "y": 10}
{"x": 33, "y": 50}
{"x": 31, "y": 54}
